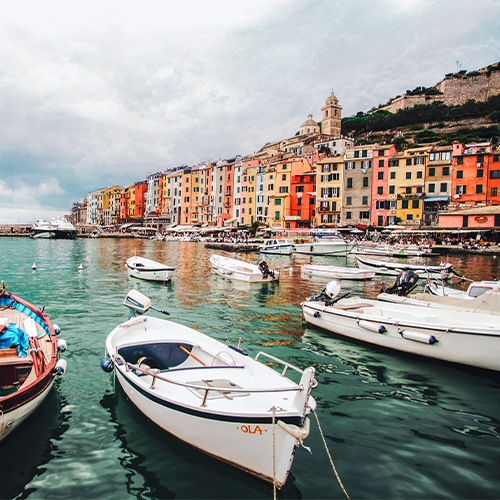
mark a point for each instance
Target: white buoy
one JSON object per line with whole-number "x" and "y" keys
{"x": 290, "y": 269}
{"x": 80, "y": 267}
{"x": 33, "y": 266}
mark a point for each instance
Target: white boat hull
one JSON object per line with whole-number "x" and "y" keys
{"x": 323, "y": 248}
{"x": 396, "y": 268}
{"x": 277, "y": 247}
{"x": 236, "y": 427}
{"x": 335, "y": 272}
{"x": 471, "y": 339}
{"x": 165, "y": 275}
{"x": 149, "y": 270}
{"x": 240, "y": 270}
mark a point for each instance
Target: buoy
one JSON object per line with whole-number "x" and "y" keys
{"x": 372, "y": 327}
{"x": 61, "y": 345}
{"x": 33, "y": 266}
{"x": 60, "y": 367}
{"x": 80, "y": 267}
{"x": 107, "y": 365}
{"x": 317, "y": 314}
{"x": 290, "y": 270}
{"x": 418, "y": 337}
{"x": 57, "y": 330}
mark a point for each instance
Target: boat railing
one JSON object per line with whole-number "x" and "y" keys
{"x": 155, "y": 373}
{"x": 280, "y": 361}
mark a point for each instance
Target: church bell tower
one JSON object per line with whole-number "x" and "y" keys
{"x": 330, "y": 125}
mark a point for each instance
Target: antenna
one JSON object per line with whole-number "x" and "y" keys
{"x": 458, "y": 66}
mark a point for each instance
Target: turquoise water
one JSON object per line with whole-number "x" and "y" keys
{"x": 396, "y": 427}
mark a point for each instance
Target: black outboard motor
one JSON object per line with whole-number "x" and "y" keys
{"x": 404, "y": 284}
{"x": 329, "y": 295}
{"x": 264, "y": 269}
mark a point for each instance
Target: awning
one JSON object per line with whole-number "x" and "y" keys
{"x": 437, "y": 198}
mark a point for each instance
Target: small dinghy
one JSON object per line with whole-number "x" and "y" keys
{"x": 29, "y": 359}
{"x": 211, "y": 395}
{"x": 277, "y": 246}
{"x": 457, "y": 336}
{"x": 475, "y": 289}
{"x": 443, "y": 271}
{"x": 243, "y": 271}
{"x": 147, "y": 269}
{"x": 337, "y": 272}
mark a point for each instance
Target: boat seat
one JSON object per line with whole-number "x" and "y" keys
{"x": 164, "y": 355}
{"x": 355, "y": 305}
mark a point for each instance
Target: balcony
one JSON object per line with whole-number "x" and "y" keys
{"x": 410, "y": 196}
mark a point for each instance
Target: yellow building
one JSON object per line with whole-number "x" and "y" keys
{"x": 406, "y": 185}
{"x": 328, "y": 190}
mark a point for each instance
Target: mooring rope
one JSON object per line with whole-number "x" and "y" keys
{"x": 329, "y": 456}
{"x": 274, "y": 453}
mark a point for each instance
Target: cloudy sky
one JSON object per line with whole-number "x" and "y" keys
{"x": 100, "y": 93}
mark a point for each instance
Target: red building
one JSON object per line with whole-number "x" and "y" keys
{"x": 380, "y": 209}
{"x": 475, "y": 175}
{"x": 302, "y": 201}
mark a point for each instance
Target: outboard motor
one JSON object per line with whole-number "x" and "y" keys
{"x": 404, "y": 284}
{"x": 328, "y": 294}
{"x": 264, "y": 269}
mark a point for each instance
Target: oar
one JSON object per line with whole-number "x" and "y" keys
{"x": 192, "y": 355}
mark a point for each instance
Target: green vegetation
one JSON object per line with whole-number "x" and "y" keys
{"x": 437, "y": 112}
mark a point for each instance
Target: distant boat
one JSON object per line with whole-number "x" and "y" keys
{"x": 277, "y": 246}
{"x": 442, "y": 271}
{"x": 29, "y": 359}
{"x": 243, "y": 271}
{"x": 149, "y": 270}
{"x": 331, "y": 244}
{"x": 475, "y": 289}
{"x": 57, "y": 228}
{"x": 337, "y": 272}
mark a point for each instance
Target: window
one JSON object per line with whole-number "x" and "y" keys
{"x": 325, "y": 168}
{"x": 446, "y": 155}
{"x": 366, "y": 164}
{"x": 348, "y": 215}
{"x": 419, "y": 189}
{"x": 380, "y": 152}
{"x": 460, "y": 174}
{"x": 409, "y": 216}
{"x": 404, "y": 204}
{"x": 408, "y": 175}
{"x": 419, "y": 174}
{"x": 364, "y": 215}
{"x": 380, "y": 190}
{"x": 495, "y": 158}
{"x": 270, "y": 187}
{"x": 365, "y": 182}
{"x": 393, "y": 163}
{"x": 312, "y": 201}
{"x": 431, "y": 188}
{"x": 432, "y": 172}
{"x": 284, "y": 189}
{"x": 494, "y": 174}
{"x": 299, "y": 202}
{"x": 443, "y": 187}
{"x": 408, "y": 190}
{"x": 446, "y": 170}
{"x": 356, "y": 154}
{"x": 380, "y": 205}
{"x": 381, "y": 163}
{"x": 284, "y": 177}
{"x": 461, "y": 190}
{"x": 348, "y": 200}
{"x": 364, "y": 153}
{"x": 349, "y": 182}
{"x": 381, "y": 176}
{"x": 479, "y": 188}
{"x": 460, "y": 160}
{"x": 349, "y": 165}
{"x": 276, "y": 216}
{"x": 415, "y": 203}
{"x": 493, "y": 191}
{"x": 364, "y": 200}
{"x": 408, "y": 161}
{"x": 418, "y": 161}
{"x": 433, "y": 156}
{"x": 392, "y": 189}
{"x": 480, "y": 158}
{"x": 277, "y": 201}
{"x": 393, "y": 175}
{"x": 380, "y": 220}
{"x": 299, "y": 189}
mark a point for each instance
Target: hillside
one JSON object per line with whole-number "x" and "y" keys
{"x": 436, "y": 121}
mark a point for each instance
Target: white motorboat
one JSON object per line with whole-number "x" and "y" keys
{"x": 475, "y": 289}
{"x": 331, "y": 245}
{"x": 337, "y": 272}
{"x": 57, "y": 228}
{"x": 213, "y": 396}
{"x": 147, "y": 269}
{"x": 443, "y": 271}
{"x": 29, "y": 359}
{"x": 279, "y": 246}
{"x": 243, "y": 271}
{"x": 372, "y": 249}
{"x": 456, "y": 336}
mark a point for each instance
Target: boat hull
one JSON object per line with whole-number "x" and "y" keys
{"x": 323, "y": 248}
{"x": 240, "y": 270}
{"x": 339, "y": 273}
{"x": 150, "y": 275}
{"x": 478, "y": 347}
{"x": 396, "y": 268}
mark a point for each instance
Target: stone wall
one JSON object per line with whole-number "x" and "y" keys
{"x": 456, "y": 90}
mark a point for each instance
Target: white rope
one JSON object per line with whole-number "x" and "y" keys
{"x": 329, "y": 456}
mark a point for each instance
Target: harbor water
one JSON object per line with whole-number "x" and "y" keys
{"x": 396, "y": 426}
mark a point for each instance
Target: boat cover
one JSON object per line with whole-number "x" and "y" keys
{"x": 13, "y": 336}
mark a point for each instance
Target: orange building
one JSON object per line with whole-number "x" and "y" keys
{"x": 302, "y": 201}
{"x": 380, "y": 209}
{"x": 475, "y": 175}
